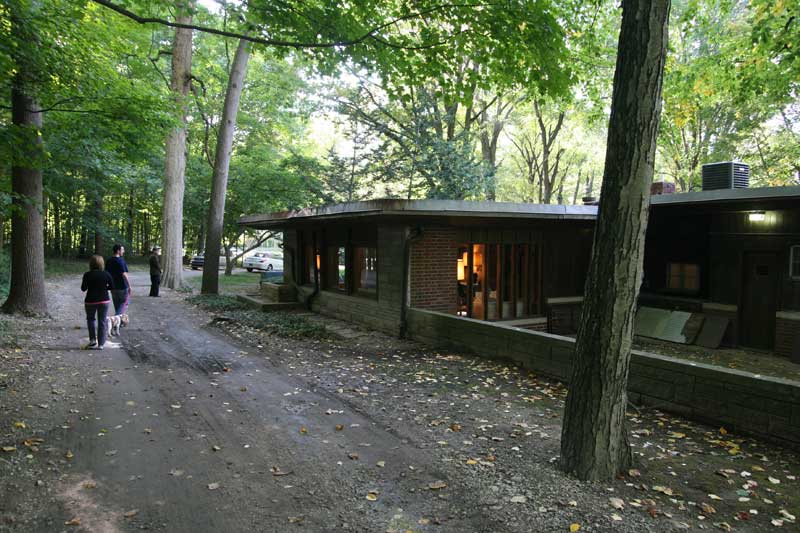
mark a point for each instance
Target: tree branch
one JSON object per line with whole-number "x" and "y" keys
{"x": 370, "y": 35}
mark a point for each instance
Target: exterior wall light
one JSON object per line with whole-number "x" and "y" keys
{"x": 757, "y": 216}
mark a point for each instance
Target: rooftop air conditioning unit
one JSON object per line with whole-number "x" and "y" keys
{"x": 726, "y": 175}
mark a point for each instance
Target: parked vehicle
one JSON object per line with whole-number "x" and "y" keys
{"x": 198, "y": 261}
{"x": 264, "y": 261}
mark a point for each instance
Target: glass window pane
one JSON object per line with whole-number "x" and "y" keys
{"x": 478, "y": 281}
{"x": 365, "y": 264}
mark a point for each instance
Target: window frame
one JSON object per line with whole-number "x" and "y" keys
{"x": 356, "y": 273}
{"x": 683, "y": 289}
{"x": 794, "y": 252}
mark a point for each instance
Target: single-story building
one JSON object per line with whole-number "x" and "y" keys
{"x": 732, "y": 253}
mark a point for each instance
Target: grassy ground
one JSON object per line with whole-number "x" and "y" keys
{"x": 237, "y": 283}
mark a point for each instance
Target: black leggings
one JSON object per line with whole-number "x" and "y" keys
{"x": 101, "y": 310}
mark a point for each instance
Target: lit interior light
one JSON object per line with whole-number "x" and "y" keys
{"x": 758, "y": 216}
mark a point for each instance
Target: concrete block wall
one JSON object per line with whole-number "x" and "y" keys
{"x": 739, "y": 401}
{"x": 381, "y": 312}
{"x": 433, "y": 270}
{"x": 787, "y": 330}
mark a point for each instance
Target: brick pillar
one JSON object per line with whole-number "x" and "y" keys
{"x": 434, "y": 285}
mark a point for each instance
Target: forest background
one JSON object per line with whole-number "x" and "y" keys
{"x": 461, "y": 121}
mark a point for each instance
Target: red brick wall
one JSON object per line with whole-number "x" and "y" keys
{"x": 433, "y": 270}
{"x": 785, "y": 332}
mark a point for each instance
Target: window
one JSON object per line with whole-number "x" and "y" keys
{"x": 310, "y": 264}
{"x": 336, "y": 271}
{"x": 794, "y": 262}
{"x": 365, "y": 269}
{"x": 683, "y": 277}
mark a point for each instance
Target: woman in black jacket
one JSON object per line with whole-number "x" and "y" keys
{"x": 96, "y": 284}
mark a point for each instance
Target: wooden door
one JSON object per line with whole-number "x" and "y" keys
{"x": 758, "y": 300}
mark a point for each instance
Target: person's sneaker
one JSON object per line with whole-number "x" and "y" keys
{"x": 90, "y": 346}
{"x": 97, "y": 347}
{"x": 110, "y": 344}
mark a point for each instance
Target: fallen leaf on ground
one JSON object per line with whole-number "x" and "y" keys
{"x": 339, "y": 427}
{"x": 73, "y": 522}
{"x": 615, "y": 517}
{"x": 353, "y": 455}
{"x": 276, "y": 471}
{"x": 176, "y": 472}
{"x": 708, "y": 509}
{"x": 295, "y": 519}
{"x": 617, "y": 503}
{"x": 69, "y": 454}
{"x": 436, "y": 485}
{"x": 519, "y": 499}
{"x": 213, "y": 486}
{"x": 372, "y": 496}
{"x": 574, "y": 527}
{"x": 89, "y": 485}
{"x": 381, "y": 464}
{"x": 9, "y": 448}
{"x": 131, "y": 513}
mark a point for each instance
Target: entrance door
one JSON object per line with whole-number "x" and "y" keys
{"x": 759, "y": 291}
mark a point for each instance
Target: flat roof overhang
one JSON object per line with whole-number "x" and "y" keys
{"x": 760, "y": 198}
{"x": 452, "y": 209}
{"x": 462, "y": 210}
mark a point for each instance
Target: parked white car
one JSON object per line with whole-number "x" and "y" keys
{"x": 264, "y": 261}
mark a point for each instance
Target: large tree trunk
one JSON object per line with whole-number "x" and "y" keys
{"x": 175, "y": 166}
{"x": 222, "y": 159}
{"x": 26, "y": 292}
{"x": 594, "y": 444}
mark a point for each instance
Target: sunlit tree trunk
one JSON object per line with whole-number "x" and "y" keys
{"x": 594, "y": 443}
{"x": 175, "y": 165}
{"x": 222, "y": 160}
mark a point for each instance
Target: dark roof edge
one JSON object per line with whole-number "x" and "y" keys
{"x": 463, "y": 208}
{"x": 456, "y": 208}
{"x": 727, "y": 195}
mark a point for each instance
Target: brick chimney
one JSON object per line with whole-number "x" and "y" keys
{"x": 662, "y": 187}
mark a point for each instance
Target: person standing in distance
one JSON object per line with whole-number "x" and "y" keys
{"x": 118, "y": 268}
{"x": 155, "y": 271}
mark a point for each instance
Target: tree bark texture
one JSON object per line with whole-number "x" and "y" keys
{"x": 222, "y": 160}
{"x": 175, "y": 166}
{"x": 26, "y": 292}
{"x": 594, "y": 444}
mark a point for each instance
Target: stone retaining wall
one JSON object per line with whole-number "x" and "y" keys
{"x": 739, "y": 401}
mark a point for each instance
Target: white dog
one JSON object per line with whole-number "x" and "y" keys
{"x": 114, "y": 322}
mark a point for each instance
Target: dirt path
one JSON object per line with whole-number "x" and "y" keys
{"x": 184, "y": 431}
{"x": 189, "y": 428}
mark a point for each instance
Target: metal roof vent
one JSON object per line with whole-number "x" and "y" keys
{"x": 726, "y": 175}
